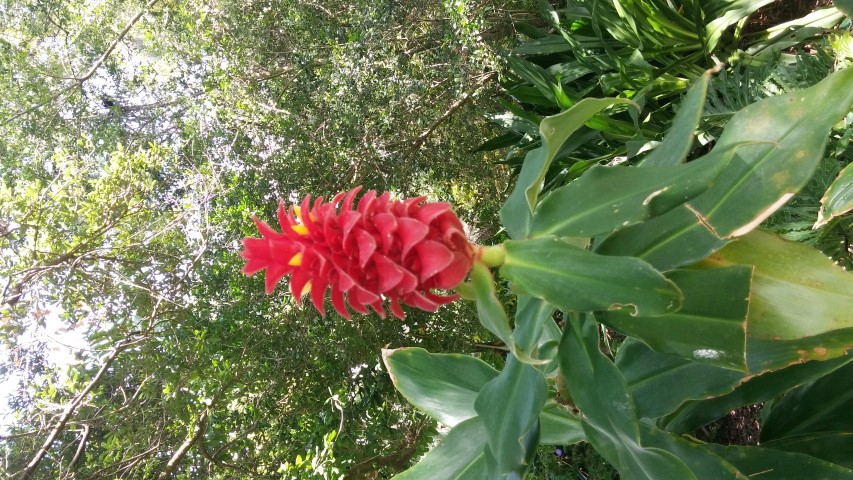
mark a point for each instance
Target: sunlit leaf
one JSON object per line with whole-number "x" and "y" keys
{"x": 459, "y": 456}
{"x": 709, "y": 327}
{"x": 442, "y": 385}
{"x": 800, "y": 302}
{"x": 838, "y": 198}
{"x": 776, "y": 145}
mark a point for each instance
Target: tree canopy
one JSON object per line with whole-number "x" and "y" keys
{"x": 138, "y": 139}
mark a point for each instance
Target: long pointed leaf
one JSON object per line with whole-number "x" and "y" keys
{"x": 510, "y": 406}
{"x": 517, "y": 212}
{"x": 459, "y": 456}
{"x": 576, "y": 279}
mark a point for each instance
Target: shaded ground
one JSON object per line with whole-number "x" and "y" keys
{"x": 781, "y": 12}
{"x": 739, "y": 427}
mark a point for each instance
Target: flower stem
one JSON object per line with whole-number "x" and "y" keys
{"x": 492, "y": 256}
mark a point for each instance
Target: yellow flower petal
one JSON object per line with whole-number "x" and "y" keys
{"x": 300, "y": 229}
{"x": 296, "y": 260}
{"x": 306, "y": 288}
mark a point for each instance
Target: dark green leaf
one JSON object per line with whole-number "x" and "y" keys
{"x": 708, "y": 328}
{"x": 821, "y": 406}
{"x": 703, "y": 463}
{"x": 502, "y": 141}
{"x": 558, "y": 426}
{"x": 661, "y": 382}
{"x": 576, "y": 279}
{"x": 510, "y": 406}
{"x": 833, "y": 447}
{"x": 753, "y": 389}
{"x": 609, "y": 419}
{"x": 770, "y": 464}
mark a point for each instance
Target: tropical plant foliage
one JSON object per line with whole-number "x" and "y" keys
{"x": 717, "y": 312}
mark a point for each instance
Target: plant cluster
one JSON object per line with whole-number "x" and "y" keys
{"x": 717, "y": 312}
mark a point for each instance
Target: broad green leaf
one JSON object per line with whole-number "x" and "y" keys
{"x": 530, "y": 317}
{"x": 767, "y": 463}
{"x": 751, "y": 390}
{"x": 608, "y": 408}
{"x": 609, "y": 419}
{"x": 661, "y": 382}
{"x": 838, "y": 198}
{"x": 558, "y": 426}
{"x": 845, "y": 6}
{"x": 703, "y": 463}
{"x": 821, "y": 406}
{"x": 459, "y": 456}
{"x": 605, "y": 199}
{"x": 517, "y": 212}
{"x": 489, "y": 308}
{"x": 833, "y": 447}
{"x": 510, "y": 406}
{"x": 572, "y": 278}
{"x": 735, "y": 11}
{"x": 442, "y": 385}
{"x": 678, "y": 141}
{"x": 801, "y": 304}
{"x": 709, "y": 326}
{"x": 671, "y": 240}
{"x": 776, "y": 145}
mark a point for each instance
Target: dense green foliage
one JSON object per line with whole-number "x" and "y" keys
{"x": 138, "y": 139}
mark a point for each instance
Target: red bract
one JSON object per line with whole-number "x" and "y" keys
{"x": 399, "y": 250}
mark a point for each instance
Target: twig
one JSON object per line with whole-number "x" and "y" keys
{"x": 182, "y": 450}
{"x": 27, "y": 472}
{"x": 450, "y": 111}
{"x": 78, "y": 82}
{"x": 80, "y": 449}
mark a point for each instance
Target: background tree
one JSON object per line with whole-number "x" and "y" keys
{"x": 137, "y": 141}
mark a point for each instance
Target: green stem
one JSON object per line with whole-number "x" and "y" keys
{"x": 492, "y": 256}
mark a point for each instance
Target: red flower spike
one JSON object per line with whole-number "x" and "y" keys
{"x": 368, "y": 252}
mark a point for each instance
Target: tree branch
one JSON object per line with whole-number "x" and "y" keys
{"x": 80, "y": 449}
{"x": 181, "y": 452}
{"x": 115, "y": 43}
{"x": 418, "y": 142}
{"x": 78, "y": 82}
{"x": 68, "y": 411}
